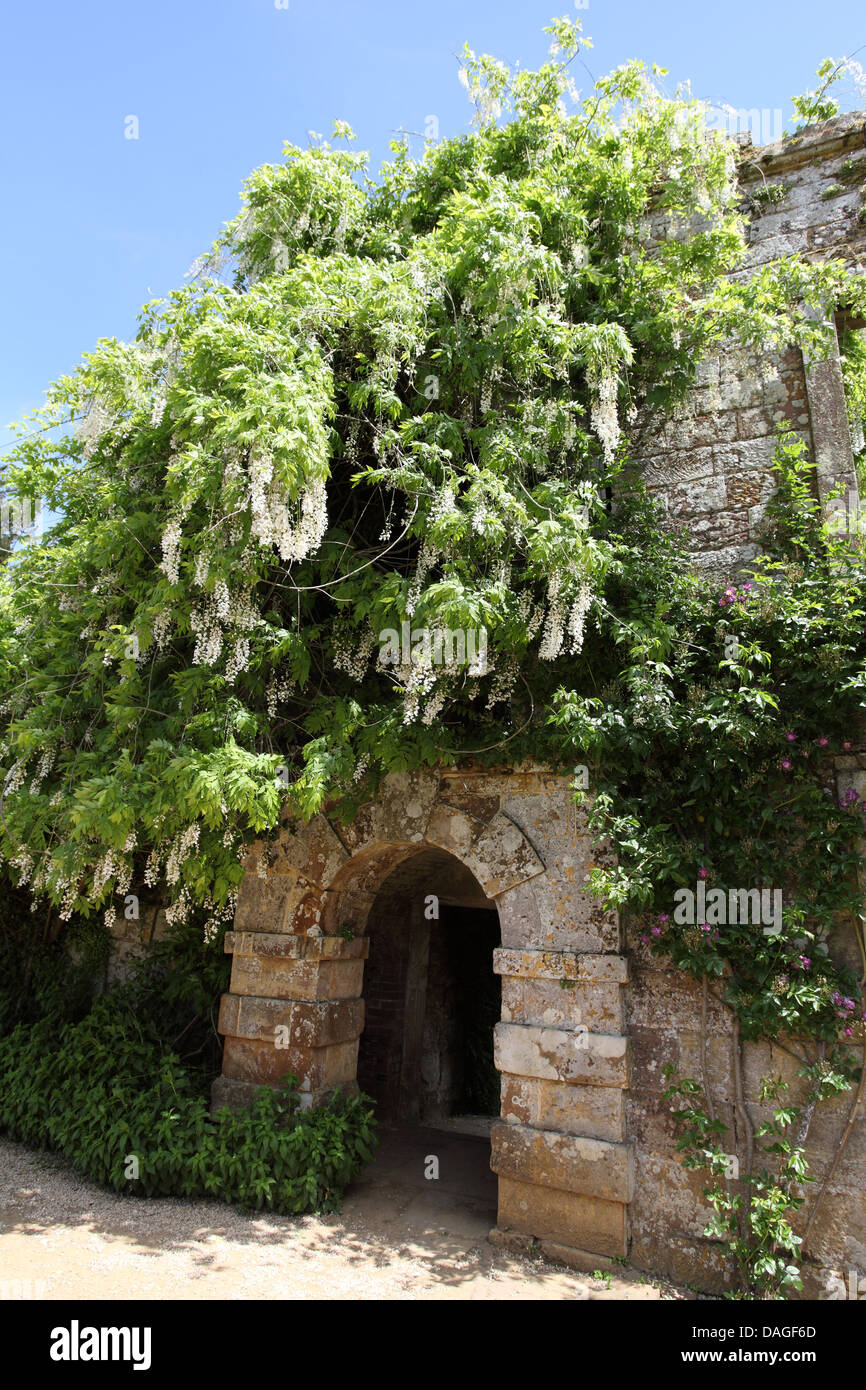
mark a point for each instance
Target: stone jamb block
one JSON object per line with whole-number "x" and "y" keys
{"x": 555, "y": 1054}
{"x": 567, "y": 1162}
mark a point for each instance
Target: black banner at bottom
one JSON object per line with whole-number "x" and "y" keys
{"x": 140, "y": 1338}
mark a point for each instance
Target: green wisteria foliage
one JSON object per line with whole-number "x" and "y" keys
{"x": 375, "y": 403}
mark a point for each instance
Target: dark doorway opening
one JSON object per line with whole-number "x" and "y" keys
{"x": 432, "y": 999}
{"x": 463, "y": 991}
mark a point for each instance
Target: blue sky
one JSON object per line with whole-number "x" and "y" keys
{"x": 96, "y": 223}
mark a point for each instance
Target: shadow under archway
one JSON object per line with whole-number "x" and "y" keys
{"x": 425, "y": 1056}
{"x": 431, "y": 997}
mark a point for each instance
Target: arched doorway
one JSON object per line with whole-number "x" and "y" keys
{"x": 431, "y": 1003}
{"x": 431, "y": 997}
{"x": 306, "y": 921}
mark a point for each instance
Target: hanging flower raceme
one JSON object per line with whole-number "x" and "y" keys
{"x": 606, "y": 349}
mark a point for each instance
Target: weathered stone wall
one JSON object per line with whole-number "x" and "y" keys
{"x": 585, "y": 1149}
{"x": 710, "y": 465}
{"x": 670, "y": 1021}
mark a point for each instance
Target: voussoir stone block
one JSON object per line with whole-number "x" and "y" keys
{"x": 504, "y": 856}
{"x": 315, "y": 851}
{"x": 399, "y": 815}
{"x": 565, "y": 917}
{"x": 496, "y": 852}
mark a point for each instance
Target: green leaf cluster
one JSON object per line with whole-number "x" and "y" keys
{"x": 105, "y": 1090}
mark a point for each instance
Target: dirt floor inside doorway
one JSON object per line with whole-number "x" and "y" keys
{"x": 433, "y": 1180}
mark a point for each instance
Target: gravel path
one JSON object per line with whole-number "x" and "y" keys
{"x": 63, "y": 1237}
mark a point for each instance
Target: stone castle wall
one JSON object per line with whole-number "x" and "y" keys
{"x": 711, "y": 465}
{"x": 711, "y": 468}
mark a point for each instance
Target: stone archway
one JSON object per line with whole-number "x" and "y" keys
{"x": 300, "y": 942}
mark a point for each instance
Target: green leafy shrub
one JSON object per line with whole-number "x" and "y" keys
{"x": 45, "y": 973}
{"x": 54, "y": 970}
{"x": 103, "y": 1092}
